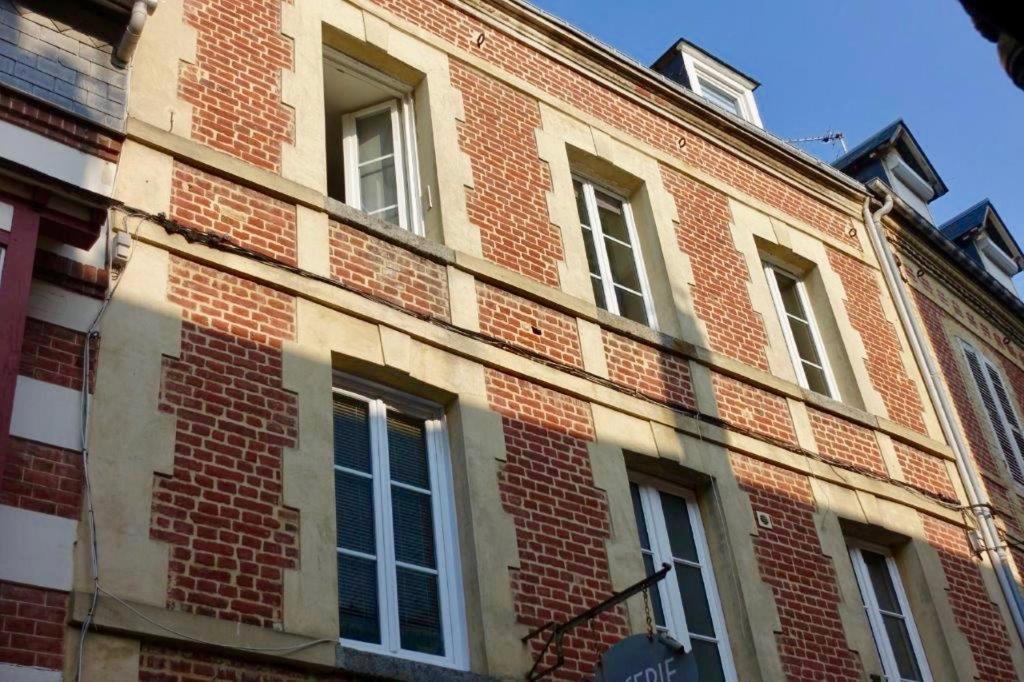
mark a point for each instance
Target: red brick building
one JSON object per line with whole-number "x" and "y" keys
{"x": 407, "y": 327}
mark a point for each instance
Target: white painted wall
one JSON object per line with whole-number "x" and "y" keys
{"x": 51, "y": 303}
{"x": 46, "y": 413}
{"x": 56, "y": 159}
{"x": 37, "y": 549}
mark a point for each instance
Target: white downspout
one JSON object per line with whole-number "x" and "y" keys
{"x": 977, "y": 496}
{"x": 136, "y": 22}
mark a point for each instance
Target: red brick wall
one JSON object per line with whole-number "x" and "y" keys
{"x": 561, "y": 519}
{"x": 559, "y": 80}
{"x": 976, "y": 616}
{"x": 235, "y": 85}
{"x": 924, "y": 471}
{"x": 391, "y": 272}
{"x": 53, "y": 354}
{"x": 57, "y": 125}
{"x": 529, "y": 325}
{"x": 655, "y": 373}
{"x": 750, "y": 408}
{"x": 884, "y": 363}
{"x": 42, "y": 478}
{"x": 221, "y": 508}
{"x": 846, "y": 443}
{"x": 812, "y": 644}
{"x": 32, "y": 626}
{"x": 720, "y": 296}
{"x": 507, "y": 201}
{"x": 218, "y": 206}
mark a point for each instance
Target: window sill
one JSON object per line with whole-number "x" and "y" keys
{"x": 393, "y": 668}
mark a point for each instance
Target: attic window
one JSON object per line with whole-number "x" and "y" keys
{"x": 720, "y": 96}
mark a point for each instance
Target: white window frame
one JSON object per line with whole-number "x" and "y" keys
{"x": 988, "y": 366}
{"x": 403, "y": 131}
{"x": 697, "y": 70}
{"x": 446, "y": 540}
{"x": 771, "y": 270}
{"x": 668, "y": 589}
{"x": 603, "y": 264}
{"x": 874, "y": 613}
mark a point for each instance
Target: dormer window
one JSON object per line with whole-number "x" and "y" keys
{"x": 720, "y": 96}
{"x": 712, "y": 79}
{"x": 982, "y": 235}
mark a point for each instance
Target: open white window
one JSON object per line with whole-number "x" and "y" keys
{"x": 685, "y": 603}
{"x": 892, "y": 624}
{"x": 399, "y": 582}
{"x": 803, "y": 338}
{"x": 1002, "y": 415}
{"x": 378, "y": 162}
{"x": 617, "y": 271}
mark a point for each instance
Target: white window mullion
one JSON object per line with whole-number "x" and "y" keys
{"x": 641, "y": 271}
{"x": 671, "y": 599}
{"x": 812, "y": 322}
{"x": 610, "y": 300}
{"x": 411, "y": 145}
{"x": 711, "y": 588}
{"x": 400, "y": 167}
{"x": 787, "y": 330}
{"x": 447, "y": 543}
{"x": 874, "y": 615}
{"x": 389, "y": 584}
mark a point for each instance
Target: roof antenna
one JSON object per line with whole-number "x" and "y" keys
{"x": 833, "y": 137}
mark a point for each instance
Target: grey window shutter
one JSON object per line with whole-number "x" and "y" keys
{"x": 994, "y": 417}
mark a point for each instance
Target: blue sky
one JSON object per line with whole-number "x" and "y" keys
{"x": 853, "y": 66}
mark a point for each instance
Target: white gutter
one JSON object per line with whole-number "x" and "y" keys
{"x": 977, "y": 496}
{"x": 141, "y": 10}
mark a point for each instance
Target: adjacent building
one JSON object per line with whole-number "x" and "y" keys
{"x": 360, "y": 339}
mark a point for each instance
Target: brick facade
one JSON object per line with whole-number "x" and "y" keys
{"x": 32, "y": 626}
{"x": 752, "y": 409}
{"x": 507, "y": 200}
{"x": 220, "y": 509}
{"x": 42, "y": 478}
{"x": 651, "y": 371}
{"x": 372, "y": 265}
{"x": 529, "y": 325}
{"x": 976, "y": 615}
{"x": 561, "y": 519}
{"x": 235, "y": 85}
{"x": 253, "y": 220}
{"x": 720, "y": 274}
{"x": 841, "y": 441}
{"x": 53, "y": 354}
{"x": 881, "y": 343}
{"x": 561, "y": 81}
{"x": 800, "y": 575}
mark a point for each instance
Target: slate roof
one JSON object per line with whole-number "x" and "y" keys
{"x": 884, "y": 138}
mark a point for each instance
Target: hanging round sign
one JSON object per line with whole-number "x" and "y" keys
{"x": 646, "y": 659}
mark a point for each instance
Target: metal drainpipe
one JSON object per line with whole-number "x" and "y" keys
{"x": 976, "y": 493}
{"x": 141, "y": 10}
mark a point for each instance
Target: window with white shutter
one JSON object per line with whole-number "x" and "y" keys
{"x": 399, "y": 584}
{"x": 999, "y": 407}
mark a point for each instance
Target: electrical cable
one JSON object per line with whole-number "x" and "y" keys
{"x": 224, "y": 243}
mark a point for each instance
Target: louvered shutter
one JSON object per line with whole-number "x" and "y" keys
{"x": 1010, "y": 414}
{"x": 989, "y": 402}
